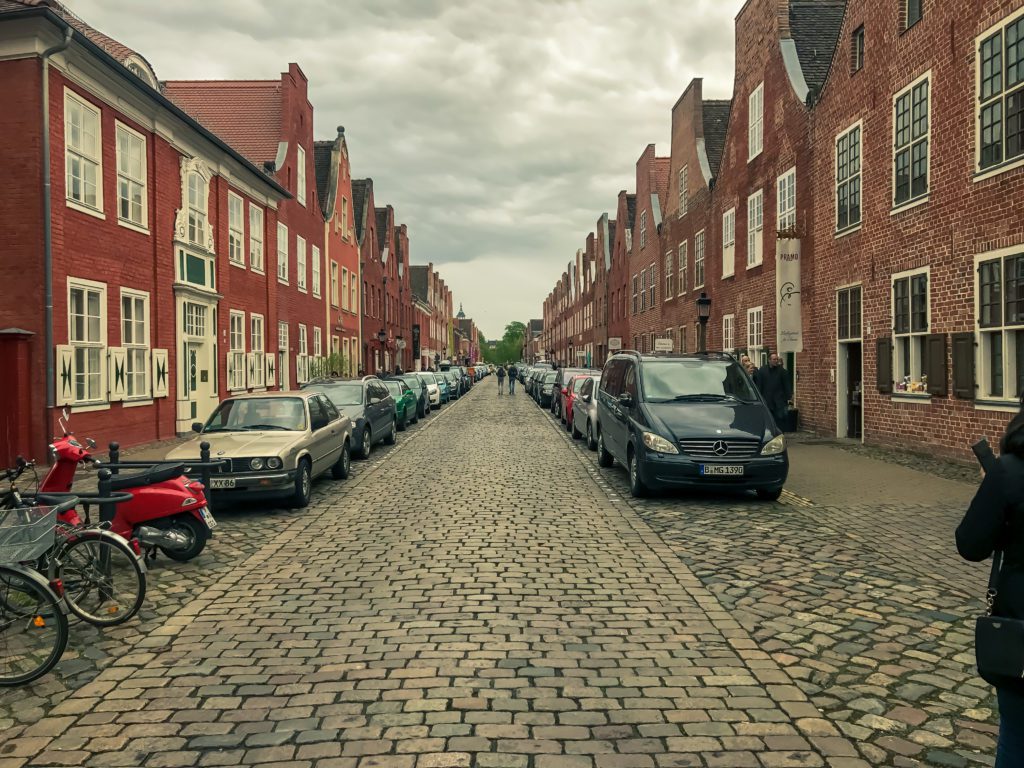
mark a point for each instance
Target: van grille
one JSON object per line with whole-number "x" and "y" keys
{"x": 712, "y": 448}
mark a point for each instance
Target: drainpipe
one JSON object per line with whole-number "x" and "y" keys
{"x": 47, "y": 221}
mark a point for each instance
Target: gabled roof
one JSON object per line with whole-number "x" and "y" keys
{"x": 360, "y": 188}
{"x": 716, "y": 123}
{"x": 247, "y": 113}
{"x": 384, "y": 234}
{"x": 815, "y": 27}
{"x": 323, "y": 167}
{"x": 419, "y": 280}
{"x": 630, "y": 211}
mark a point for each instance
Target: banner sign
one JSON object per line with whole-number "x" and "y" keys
{"x": 789, "y": 328}
{"x": 416, "y": 340}
{"x": 615, "y": 342}
{"x": 663, "y": 345}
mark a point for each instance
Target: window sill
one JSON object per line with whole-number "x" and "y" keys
{"x": 898, "y": 209}
{"x": 996, "y": 170}
{"x": 911, "y": 397}
{"x": 256, "y": 271}
{"x": 96, "y": 213}
{"x": 239, "y": 264}
{"x": 137, "y": 402}
{"x": 133, "y": 226}
{"x": 90, "y": 407}
{"x": 998, "y": 406}
{"x": 729, "y": 277}
{"x": 282, "y": 281}
{"x": 302, "y": 290}
{"x": 848, "y": 231}
{"x": 755, "y": 265}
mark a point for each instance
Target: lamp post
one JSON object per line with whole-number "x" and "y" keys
{"x": 703, "y": 315}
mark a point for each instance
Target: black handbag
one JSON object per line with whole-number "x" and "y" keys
{"x": 998, "y": 641}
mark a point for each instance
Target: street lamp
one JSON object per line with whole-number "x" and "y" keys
{"x": 703, "y": 315}
{"x": 382, "y": 336}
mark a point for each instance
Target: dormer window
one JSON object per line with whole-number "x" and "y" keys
{"x": 141, "y": 70}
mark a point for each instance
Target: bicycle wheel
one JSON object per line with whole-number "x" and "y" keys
{"x": 104, "y": 583}
{"x": 33, "y": 627}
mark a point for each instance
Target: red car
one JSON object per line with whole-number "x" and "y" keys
{"x": 569, "y": 395}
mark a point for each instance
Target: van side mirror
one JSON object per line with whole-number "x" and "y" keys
{"x": 197, "y": 426}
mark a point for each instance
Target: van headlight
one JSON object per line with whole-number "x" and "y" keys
{"x": 775, "y": 446}
{"x": 658, "y": 444}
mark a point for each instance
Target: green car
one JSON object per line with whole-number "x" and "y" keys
{"x": 405, "y": 402}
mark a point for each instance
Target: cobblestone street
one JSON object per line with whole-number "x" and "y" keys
{"x": 483, "y": 594}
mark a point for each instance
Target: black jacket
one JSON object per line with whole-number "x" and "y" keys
{"x": 995, "y": 520}
{"x": 775, "y": 387}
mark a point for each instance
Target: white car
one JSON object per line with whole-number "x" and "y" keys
{"x": 433, "y": 391}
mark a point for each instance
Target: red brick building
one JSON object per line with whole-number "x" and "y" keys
{"x": 645, "y": 294}
{"x": 403, "y": 330}
{"x": 620, "y": 274}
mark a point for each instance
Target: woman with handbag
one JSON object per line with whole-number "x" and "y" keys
{"x": 994, "y": 526}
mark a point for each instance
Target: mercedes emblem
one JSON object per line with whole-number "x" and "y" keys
{"x": 721, "y": 448}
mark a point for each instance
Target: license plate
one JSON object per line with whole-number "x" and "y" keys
{"x": 208, "y": 519}
{"x": 222, "y": 482}
{"x": 721, "y": 469}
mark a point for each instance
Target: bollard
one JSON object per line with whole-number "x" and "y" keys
{"x": 104, "y": 489}
{"x": 115, "y": 457}
{"x": 205, "y": 471}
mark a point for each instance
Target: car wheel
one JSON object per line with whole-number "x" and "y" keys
{"x": 342, "y": 466}
{"x": 392, "y": 437}
{"x": 591, "y": 442}
{"x": 604, "y": 458}
{"x": 769, "y": 494}
{"x": 303, "y": 485}
{"x": 637, "y": 489}
{"x": 401, "y": 424}
{"x": 367, "y": 444}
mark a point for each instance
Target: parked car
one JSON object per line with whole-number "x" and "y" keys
{"x": 444, "y": 386}
{"x": 405, "y": 402}
{"x": 421, "y": 389}
{"x": 276, "y": 443}
{"x": 561, "y": 385}
{"x": 584, "y": 410}
{"x": 433, "y": 389}
{"x": 569, "y": 397}
{"x": 532, "y": 383}
{"x": 454, "y": 383}
{"x": 693, "y": 421}
{"x": 545, "y": 388}
{"x": 370, "y": 406}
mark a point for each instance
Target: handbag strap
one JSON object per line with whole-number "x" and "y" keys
{"x": 993, "y": 580}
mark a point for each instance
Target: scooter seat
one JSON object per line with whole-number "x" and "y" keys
{"x": 157, "y": 474}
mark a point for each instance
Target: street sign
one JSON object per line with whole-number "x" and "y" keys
{"x": 663, "y": 345}
{"x": 615, "y": 342}
{"x": 400, "y": 343}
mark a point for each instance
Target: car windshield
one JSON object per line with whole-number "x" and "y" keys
{"x": 394, "y": 388}
{"x": 347, "y": 393}
{"x": 696, "y": 380}
{"x": 439, "y": 378}
{"x": 258, "y": 413}
{"x": 549, "y": 377}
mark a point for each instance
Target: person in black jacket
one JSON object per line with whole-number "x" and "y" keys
{"x": 776, "y": 389}
{"x": 995, "y": 521}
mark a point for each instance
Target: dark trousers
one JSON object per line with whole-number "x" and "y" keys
{"x": 512, "y": 385}
{"x": 1010, "y": 751}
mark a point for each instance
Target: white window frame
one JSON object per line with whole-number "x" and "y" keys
{"x": 353, "y": 304}
{"x": 314, "y": 268}
{"x": 652, "y": 285}
{"x": 982, "y": 102}
{"x": 1005, "y": 332}
{"x": 755, "y": 334}
{"x": 636, "y": 283}
{"x": 643, "y": 228}
{"x": 755, "y": 122}
{"x": 699, "y": 249}
{"x": 300, "y": 263}
{"x": 303, "y": 340}
{"x": 345, "y": 303}
{"x": 257, "y": 346}
{"x": 236, "y": 350}
{"x": 670, "y": 287}
{"x": 318, "y": 342}
{"x": 282, "y": 253}
{"x": 785, "y": 212}
{"x": 129, "y": 180}
{"x": 198, "y": 205}
{"x": 136, "y": 345}
{"x": 256, "y": 238}
{"x": 848, "y": 181}
{"x": 684, "y": 188}
{"x": 300, "y": 175}
{"x": 682, "y": 349}
{"x": 729, "y": 243}
{"x": 910, "y": 343}
{"x": 335, "y": 288}
{"x": 99, "y": 343}
{"x": 85, "y": 157}
{"x": 924, "y": 139}
{"x": 728, "y": 333}
{"x": 755, "y": 229}
{"x": 683, "y": 254}
{"x": 236, "y": 230}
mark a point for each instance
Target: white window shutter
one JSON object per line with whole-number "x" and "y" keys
{"x": 117, "y": 361}
{"x": 253, "y": 379}
{"x": 160, "y": 375}
{"x": 270, "y": 363}
{"x": 65, "y": 373}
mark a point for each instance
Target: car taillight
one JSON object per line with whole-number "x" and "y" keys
{"x": 58, "y": 587}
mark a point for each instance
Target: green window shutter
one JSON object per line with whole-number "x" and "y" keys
{"x": 938, "y": 371}
{"x": 883, "y": 364}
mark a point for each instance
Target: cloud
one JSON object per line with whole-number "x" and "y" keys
{"x": 500, "y": 131}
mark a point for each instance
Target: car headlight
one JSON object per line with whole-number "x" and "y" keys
{"x": 775, "y": 446}
{"x": 255, "y": 463}
{"x": 274, "y": 463}
{"x": 658, "y": 444}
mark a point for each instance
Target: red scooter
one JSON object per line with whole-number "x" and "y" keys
{"x": 168, "y": 511}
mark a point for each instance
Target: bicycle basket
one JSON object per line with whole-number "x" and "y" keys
{"x": 26, "y": 533}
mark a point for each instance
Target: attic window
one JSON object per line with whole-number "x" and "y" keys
{"x": 857, "y": 50}
{"x": 914, "y": 11}
{"x": 141, "y": 70}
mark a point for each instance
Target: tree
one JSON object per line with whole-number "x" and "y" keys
{"x": 514, "y": 330}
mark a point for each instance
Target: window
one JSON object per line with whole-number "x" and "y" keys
{"x": 195, "y": 319}
{"x": 684, "y": 190}
{"x": 256, "y": 347}
{"x": 729, "y": 242}
{"x": 255, "y": 238}
{"x": 1001, "y": 95}
{"x": 83, "y": 159}
{"x": 300, "y": 262}
{"x": 728, "y": 324}
{"x": 236, "y": 354}
{"x": 1001, "y": 325}
{"x": 135, "y": 340}
{"x": 643, "y": 289}
{"x": 684, "y": 258}
{"x": 848, "y": 179}
{"x": 315, "y": 270}
{"x": 755, "y": 229}
{"x": 300, "y": 175}
{"x": 910, "y": 329}
{"x": 786, "y": 202}
{"x": 755, "y": 334}
{"x": 336, "y": 295}
{"x": 131, "y": 176}
{"x": 344, "y": 289}
{"x": 197, "y": 209}
{"x": 911, "y": 125}
{"x": 670, "y": 282}
{"x": 318, "y": 348}
{"x": 236, "y": 229}
{"x": 698, "y": 260}
{"x": 652, "y": 285}
{"x": 353, "y": 305}
{"x": 755, "y": 122}
{"x": 848, "y": 318}
{"x": 915, "y": 10}
{"x": 87, "y": 335}
{"x": 344, "y": 217}
{"x": 303, "y": 342}
{"x": 643, "y": 228}
{"x": 682, "y": 339}
{"x": 366, "y": 306}
{"x": 857, "y": 50}
{"x": 636, "y": 282}
{"x": 282, "y": 253}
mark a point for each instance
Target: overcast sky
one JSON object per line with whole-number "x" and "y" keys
{"x": 499, "y": 130}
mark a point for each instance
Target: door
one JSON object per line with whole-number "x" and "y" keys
{"x": 624, "y": 414}
{"x": 612, "y": 385}
{"x": 320, "y": 435}
{"x": 848, "y": 374}
{"x": 854, "y": 390}
{"x": 283, "y": 373}
{"x": 197, "y": 364}
{"x": 381, "y": 410}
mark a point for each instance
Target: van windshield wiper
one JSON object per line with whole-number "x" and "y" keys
{"x": 707, "y": 397}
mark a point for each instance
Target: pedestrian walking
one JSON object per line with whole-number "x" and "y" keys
{"x": 994, "y": 526}
{"x": 501, "y": 378}
{"x": 776, "y": 388}
{"x": 513, "y": 372}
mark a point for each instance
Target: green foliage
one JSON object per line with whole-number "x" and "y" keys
{"x": 323, "y": 367}
{"x": 509, "y": 349}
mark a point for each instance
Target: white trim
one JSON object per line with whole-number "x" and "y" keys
{"x": 315, "y": 276}
{"x": 683, "y": 182}
{"x": 909, "y": 336}
{"x": 102, "y": 343}
{"x": 700, "y": 239}
{"x": 137, "y": 403}
{"x": 729, "y": 341}
{"x": 133, "y": 227}
{"x": 300, "y": 175}
{"x": 909, "y": 147}
{"x": 729, "y": 243}
{"x": 94, "y": 159}
{"x": 755, "y": 234}
{"x": 1004, "y": 165}
{"x": 301, "y": 265}
{"x": 282, "y": 255}
{"x": 237, "y": 382}
{"x": 755, "y": 122}
{"x": 144, "y": 183}
{"x": 262, "y": 229}
{"x": 795, "y": 73}
{"x": 859, "y": 124}
{"x": 683, "y": 267}
{"x": 237, "y": 232}
{"x": 779, "y": 212}
{"x": 982, "y": 368}
{"x": 147, "y": 347}
{"x": 86, "y": 209}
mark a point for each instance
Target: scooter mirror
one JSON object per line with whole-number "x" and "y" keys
{"x": 90, "y": 443}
